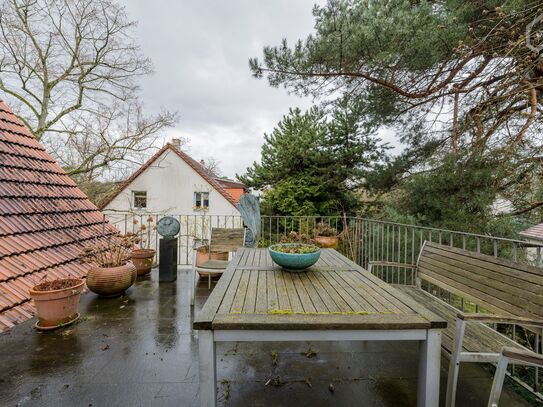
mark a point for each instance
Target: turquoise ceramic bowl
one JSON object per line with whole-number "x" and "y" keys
{"x": 293, "y": 261}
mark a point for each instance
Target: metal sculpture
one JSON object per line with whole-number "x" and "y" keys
{"x": 249, "y": 208}
{"x": 168, "y": 227}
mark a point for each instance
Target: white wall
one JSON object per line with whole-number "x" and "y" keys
{"x": 170, "y": 184}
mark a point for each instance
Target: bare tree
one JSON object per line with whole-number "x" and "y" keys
{"x": 213, "y": 165}
{"x": 69, "y": 68}
{"x": 103, "y": 144}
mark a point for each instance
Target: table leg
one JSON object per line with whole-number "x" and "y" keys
{"x": 429, "y": 370}
{"x": 208, "y": 369}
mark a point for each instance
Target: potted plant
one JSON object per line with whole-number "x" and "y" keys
{"x": 326, "y": 236}
{"x": 295, "y": 252}
{"x": 111, "y": 272}
{"x": 143, "y": 256}
{"x": 56, "y": 302}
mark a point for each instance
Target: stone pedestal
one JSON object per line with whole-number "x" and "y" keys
{"x": 167, "y": 268}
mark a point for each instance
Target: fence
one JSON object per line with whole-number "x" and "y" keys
{"x": 362, "y": 240}
{"x": 192, "y": 228}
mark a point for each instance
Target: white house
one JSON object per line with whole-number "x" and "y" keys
{"x": 172, "y": 183}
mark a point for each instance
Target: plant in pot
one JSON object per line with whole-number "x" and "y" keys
{"x": 111, "y": 272}
{"x": 56, "y": 302}
{"x": 143, "y": 256}
{"x": 326, "y": 236}
{"x": 295, "y": 252}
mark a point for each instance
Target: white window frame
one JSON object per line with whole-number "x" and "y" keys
{"x": 134, "y": 196}
{"x": 202, "y": 195}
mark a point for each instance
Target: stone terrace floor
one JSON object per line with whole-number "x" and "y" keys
{"x": 139, "y": 350}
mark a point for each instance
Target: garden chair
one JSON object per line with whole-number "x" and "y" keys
{"x": 222, "y": 240}
{"x": 516, "y": 356}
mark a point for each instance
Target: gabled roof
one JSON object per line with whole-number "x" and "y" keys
{"x": 45, "y": 220}
{"x": 535, "y": 232}
{"x": 195, "y": 165}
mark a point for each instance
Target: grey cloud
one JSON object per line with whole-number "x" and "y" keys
{"x": 200, "y": 50}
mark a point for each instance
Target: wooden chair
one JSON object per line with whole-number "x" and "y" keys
{"x": 509, "y": 292}
{"x": 222, "y": 240}
{"x": 516, "y": 356}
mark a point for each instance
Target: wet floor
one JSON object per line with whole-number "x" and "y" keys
{"x": 140, "y": 350}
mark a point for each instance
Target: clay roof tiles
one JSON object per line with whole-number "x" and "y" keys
{"x": 45, "y": 220}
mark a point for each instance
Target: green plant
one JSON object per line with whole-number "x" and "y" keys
{"x": 324, "y": 229}
{"x": 295, "y": 237}
{"x": 295, "y": 248}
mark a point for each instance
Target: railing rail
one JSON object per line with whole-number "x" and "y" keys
{"x": 194, "y": 227}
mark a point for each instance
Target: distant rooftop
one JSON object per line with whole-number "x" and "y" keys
{"x": 533, "y": 233}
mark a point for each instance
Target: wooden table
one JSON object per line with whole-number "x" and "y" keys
{"x": 334, "y": 300}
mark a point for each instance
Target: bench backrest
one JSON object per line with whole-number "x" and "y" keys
{"x": 498, "y": 285}
{"x": 226, "y": 239}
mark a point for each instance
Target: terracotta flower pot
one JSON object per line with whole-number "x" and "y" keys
{"x": 111, "y": 281}
{"x": 328, "y": 242}
{"x": 202, "y": 255}
{"x": 142, "y": 259}
{"x": 57, "y": 306}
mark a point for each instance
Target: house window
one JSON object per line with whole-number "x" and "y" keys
{"x": 139, "y": 199}
{"x": 201, "y": 200}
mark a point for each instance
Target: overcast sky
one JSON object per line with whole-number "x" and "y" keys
{"x": 200, "y": 51}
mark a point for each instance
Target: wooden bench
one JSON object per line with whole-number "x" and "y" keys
{"x": 507, "y": 291}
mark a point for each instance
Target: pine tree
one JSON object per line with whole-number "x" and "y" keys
{"x": 313, "y": 163}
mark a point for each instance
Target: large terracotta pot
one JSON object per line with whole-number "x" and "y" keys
{"x": 57, "y": 307}
{"x": 143, "y": 259}
{"x": 328, "y": 242}
{"x": 111, "y": 281}
{"x": 202, "y": 255}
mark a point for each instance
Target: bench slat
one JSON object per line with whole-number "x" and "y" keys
{"x": 483, "y": 291}
{"x": 517, "y": 283}
{"x": 498, "y": 285}
{"x": 484, "y": 260}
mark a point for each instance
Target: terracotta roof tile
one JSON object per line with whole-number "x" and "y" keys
{"x": 196, "y": 166}
{"x": 45, "y": 220}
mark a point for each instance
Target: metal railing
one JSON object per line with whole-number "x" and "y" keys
{"x": 193, "y": 228}
{"x": 362, "y": 240}
{"x": 365, "y": 240}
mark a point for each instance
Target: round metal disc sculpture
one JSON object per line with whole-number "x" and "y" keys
{"x": 168, "y": 226}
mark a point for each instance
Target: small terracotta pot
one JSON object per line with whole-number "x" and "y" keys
{"x": 57, "y": 307}
{"x": 202, "y": 255}
{"x": 143, "y": 259}
{"x": 327, "y": 242}
{"x": 111, "y": 281}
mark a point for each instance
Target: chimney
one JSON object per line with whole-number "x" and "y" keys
{"x": 202, "y": 163}
{"x": 176, "y": 143}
